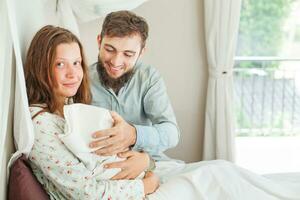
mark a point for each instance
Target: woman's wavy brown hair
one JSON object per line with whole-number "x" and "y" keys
{"x": 39, "y": 73}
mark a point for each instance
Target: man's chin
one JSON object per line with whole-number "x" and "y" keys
{"x": 114, "y": 76}
{"x": 113, "y": 80}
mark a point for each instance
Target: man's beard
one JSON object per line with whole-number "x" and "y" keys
{"x": 114, "y": 83}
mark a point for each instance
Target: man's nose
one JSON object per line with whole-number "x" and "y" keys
{"x": 116, "y": 60}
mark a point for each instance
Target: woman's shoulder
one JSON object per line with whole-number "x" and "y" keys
{"x": 41, "y": 113}
{"x": 43, "y": 120}
{"x": 37, "y": 109}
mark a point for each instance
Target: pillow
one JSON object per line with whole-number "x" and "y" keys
{"x": 22, "y": 184}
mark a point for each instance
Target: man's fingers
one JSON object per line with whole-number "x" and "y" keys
{"x": 108, "y": 151}
{"x": 129, "y": 177}
{"x": 116, "y": 117}
{"x": 132, "y": 175}
{"x": 124, "y": 150}
{"x": 126, "y": 154}
{"x": 103, "y": 143}
{"x": 103, "y": 133}
{"x": 119, "y": 164}
{"x": 116, "y": 150}
{"x": 121, "y": 175}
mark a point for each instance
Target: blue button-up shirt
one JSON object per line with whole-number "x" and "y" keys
{"x": 144, "y": 103}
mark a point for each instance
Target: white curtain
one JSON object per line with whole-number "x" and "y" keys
{"x": 24, "y": 18}
{"x": 5, "y": 73}
{"x": 221, "y": 28}
{"x": 7, "y": 77}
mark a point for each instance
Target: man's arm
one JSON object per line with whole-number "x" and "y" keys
{"x": 164, "y": 132}
{"x": 161, "y": 135}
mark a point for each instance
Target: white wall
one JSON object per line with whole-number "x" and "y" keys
{"x": 176, "y": 48}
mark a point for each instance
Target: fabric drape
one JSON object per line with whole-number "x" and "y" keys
{"x": 6, "y": 76}
{"x": 87, "y": 10}
{"x": 221, "y": 28}
{"x": 23, "y": 24}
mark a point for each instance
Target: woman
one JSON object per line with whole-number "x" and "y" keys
{"x": 56, "y": 74}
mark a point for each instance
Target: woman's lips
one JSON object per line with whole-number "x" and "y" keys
{"x": 70, "y": 85}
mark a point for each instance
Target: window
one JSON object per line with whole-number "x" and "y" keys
{"x": 267, "y": 86}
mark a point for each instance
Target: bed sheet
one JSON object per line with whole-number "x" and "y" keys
{"x": 222, "y": 180}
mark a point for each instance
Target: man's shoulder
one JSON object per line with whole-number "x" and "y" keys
{"x": 92, "y": 68}
{"x": 145, "y": 71}
{"x": 144, "y": 67}
{"x": 93, "y": 74}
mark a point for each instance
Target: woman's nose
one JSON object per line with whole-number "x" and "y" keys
{"x": 70, "y": 71}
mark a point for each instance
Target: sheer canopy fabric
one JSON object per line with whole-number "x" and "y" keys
{"x": 87, "y": 10}
{"x": 221, "y": 28}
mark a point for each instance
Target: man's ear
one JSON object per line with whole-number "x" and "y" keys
{"x": 143, "y": 51}
{"x": 99, "y": 39}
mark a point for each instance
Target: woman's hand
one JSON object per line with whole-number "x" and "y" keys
{"x": 134, "y": 165}
{"x": 151, "y": 182}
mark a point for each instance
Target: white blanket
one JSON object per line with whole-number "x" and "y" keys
{"x": 206, "y": 180}
{"x": 81, "y": 122}
{"x": 220, "y": 180}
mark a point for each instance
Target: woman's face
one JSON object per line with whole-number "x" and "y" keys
{"x": 67, "y": 67}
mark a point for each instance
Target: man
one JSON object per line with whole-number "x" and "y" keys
{"x": 133, "y": 90}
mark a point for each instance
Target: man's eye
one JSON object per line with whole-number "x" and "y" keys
{"x": 128, "y": 55}
{"x": 109, "y": 50}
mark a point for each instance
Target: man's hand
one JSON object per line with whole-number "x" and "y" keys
{"x": 116, "y": 139}
{"x": 135, "y": 163}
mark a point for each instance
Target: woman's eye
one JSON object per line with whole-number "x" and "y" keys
{"x": 60, "y": 65}
{"x": 77, "y": 63}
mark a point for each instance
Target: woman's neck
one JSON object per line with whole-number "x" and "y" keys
{"x": 60, "y": 108}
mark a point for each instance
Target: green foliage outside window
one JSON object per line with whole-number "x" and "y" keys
{"x": 261, "y": 29}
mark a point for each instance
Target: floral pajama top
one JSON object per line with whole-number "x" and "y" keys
{"x": 60, "y": 172}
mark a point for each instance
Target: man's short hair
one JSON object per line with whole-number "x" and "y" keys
{"x": 125, "y": 23}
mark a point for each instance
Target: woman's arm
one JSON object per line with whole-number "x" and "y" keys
{"x": 151, "y": 182}
{"x": 68, "y": 174}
